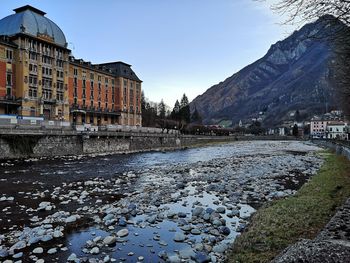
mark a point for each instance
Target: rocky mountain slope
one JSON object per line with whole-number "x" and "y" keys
{"x": 293, "y": 75}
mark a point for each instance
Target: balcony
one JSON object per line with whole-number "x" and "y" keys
{"x": 9, "y": 100}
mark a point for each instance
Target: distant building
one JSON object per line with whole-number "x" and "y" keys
{"x": 40, "y": 78}
{"x": 337, "y": 130}
{"x": 318, "y": 128}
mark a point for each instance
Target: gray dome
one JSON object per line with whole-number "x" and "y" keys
{"x": 31, "y": 21}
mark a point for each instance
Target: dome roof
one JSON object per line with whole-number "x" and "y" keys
{"x": 31, "y": 21}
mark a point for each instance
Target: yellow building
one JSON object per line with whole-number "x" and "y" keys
{"x": 40, "y": 78}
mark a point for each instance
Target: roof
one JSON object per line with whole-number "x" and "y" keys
{"x": 32, "y": 21}
{"x": 121, "y": 69}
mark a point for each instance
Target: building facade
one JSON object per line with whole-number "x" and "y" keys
{"x": 40, "y": 78}
{"x": 337, "y": 130}
{"x": 318, "y": 128}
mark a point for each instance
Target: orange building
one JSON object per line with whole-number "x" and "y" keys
{"x": 40, "y": 78}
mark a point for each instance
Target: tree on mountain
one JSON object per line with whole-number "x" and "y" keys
{"x": 298, "y": 118}
{"x": 335, "y": 14}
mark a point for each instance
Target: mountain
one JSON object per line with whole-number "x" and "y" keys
{"x": 292, "y": 76}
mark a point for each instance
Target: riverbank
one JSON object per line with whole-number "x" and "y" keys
{"x": 283, "y": 222}
{"x": 33, "y": 144}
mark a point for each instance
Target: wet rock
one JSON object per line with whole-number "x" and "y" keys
{"x": 179, "y": 237}
{"x": 221, "y": 210}
{"x": 187, "y": 253}
{"x": 174, "y": 259}
{"x": 123, "y": 232}
{"x": 38, "y": 250}
{"x": 95, "y": 251}
{"x": 224, "y": 230}
{"x": 195, "y": 231}
{"x": 18, "y": 255}
{"x": 71, "y": 219}
{"x": 201, "y": 258}
{"x": 181, "y": 215}
{"x": 163, "y": 255}
{"x": 52, "y": 251}
{"x": 72, "y": 258}
{"x": 122, "y": 222}
{"x": 3, "y": 253}
{"x": 220, "y": 248}
{"x": 109, "y": 240}
{"x": 197, "y": 211}
{"x": 19, "y": 245}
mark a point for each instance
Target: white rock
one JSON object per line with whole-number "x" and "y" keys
{"x": 38, "y": 250}
{"x": 95, "y": 251}
{"x": 123, "y": 232}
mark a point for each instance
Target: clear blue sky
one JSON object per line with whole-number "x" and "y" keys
{"x": 175, "y": 46}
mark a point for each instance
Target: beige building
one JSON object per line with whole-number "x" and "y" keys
{"x": 40, "y": 78}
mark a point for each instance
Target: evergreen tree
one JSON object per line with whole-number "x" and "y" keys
{"x": 162, "y": 110}
{"x": 295, "y": 130}
{"x": 184, "y": 101}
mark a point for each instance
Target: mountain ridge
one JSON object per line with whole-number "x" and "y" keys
{"x": 292, "y": 75}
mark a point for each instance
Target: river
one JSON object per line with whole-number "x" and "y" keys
{"x": 154, "y": 207}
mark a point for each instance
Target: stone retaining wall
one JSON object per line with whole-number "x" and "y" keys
{"x": 26, "y": 146}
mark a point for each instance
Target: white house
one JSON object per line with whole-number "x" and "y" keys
{"x": 337, "y": 130}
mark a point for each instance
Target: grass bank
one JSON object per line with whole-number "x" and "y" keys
{"x": 282, "y": 222}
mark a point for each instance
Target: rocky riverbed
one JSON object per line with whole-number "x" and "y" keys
{"x": 174, "y": 210}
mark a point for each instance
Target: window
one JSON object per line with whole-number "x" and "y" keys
{"x": 75, "y": 72}
{"x": 91, "y": 90}
{"x": 8, "y": 79}
{"x": 9, "y": 54}
{"x": 91, "y": 75}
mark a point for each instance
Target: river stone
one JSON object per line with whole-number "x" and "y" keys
{"x": 40, "y": 261}
{"x": 221, "y": 210}
{"x": 162, "y": 254}
{"x": 202, "y": 258}
{"x": 151, "y": 219}
{"x": 72, "y": 257}
{"x": 122, "y": 221}
{"x": 174, "y": 259}
{"x": 220, "y": 248}
{"x": 123, "y": 232}
{"x": 225, "y": 230}
{"x": 195, "y": 231}
{"x": 181, "y": 215}
{"x": 38, "y": 250}
{"x": 52, "y": 251}
{"x": 187, "y": 253}
{"x": 197, "y": 211}
{"x": 95, "y": 251}
{"x": 109, "y": 240}
{"x": 179, "y": 237}
{"x": 209, "y": 210}
{"x": 19, "y": 245}
{"x": 71, "y": 219}
{"x": 18, "y": 255}
{"x": 217, "y": 222}
{"x": 3, "y": 253}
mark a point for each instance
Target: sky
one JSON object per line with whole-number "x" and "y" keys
{"x": 174, "y": 46}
